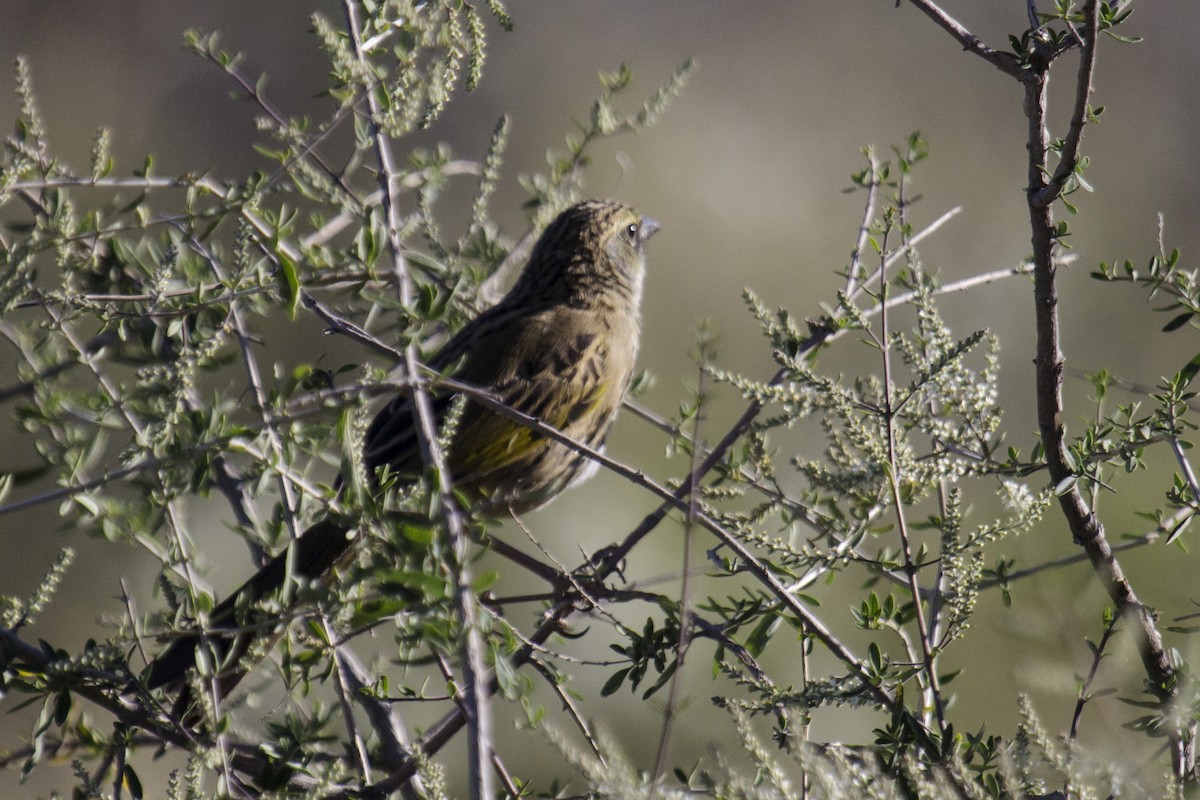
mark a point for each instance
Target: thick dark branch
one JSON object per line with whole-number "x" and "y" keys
{"x": 1085, "y": 526}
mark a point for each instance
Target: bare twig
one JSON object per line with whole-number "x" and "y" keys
{"x": 1085, "y": 688}
{"x": 1068, "y": 158}
{"x": 1005, "y": 62}
{"x": 864, "y": 229}
{"x": 689, "y": 523}
{"x": 1162, "y": 529}
{"x": 342, "y": 684}
{"x": 568, "y": 704}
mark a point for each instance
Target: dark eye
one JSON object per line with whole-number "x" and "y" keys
{"x": 632, "y": 232}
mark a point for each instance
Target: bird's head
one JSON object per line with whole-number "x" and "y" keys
{"x": 595, "y": 250}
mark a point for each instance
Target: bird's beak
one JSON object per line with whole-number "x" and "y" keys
{"x": 648, "y": 228}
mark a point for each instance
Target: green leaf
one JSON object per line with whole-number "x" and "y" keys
{"x": 614, "y": 683}
{"x": 758, "y": 638}
{"x": 289, "y": 282}
{"x": 371, "y": 612}
{"x": 62, "y": 708}
{"x": 417, "y": 535}
{"x": 134, "y": 783}
{"x": 204, "y": 603}
{"x": 1189, "y": 371}
{"x": 318, "y": 631}
{"x": 1180, "y": 528}
{"x": 485, "y": 581}
{"x": 1178, "y": 322}
{"x": 1065, "y": 485}
{"x": 506, "y": 677}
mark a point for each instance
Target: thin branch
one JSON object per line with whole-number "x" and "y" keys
{"x": 1005, "y": 62}
{"x": 864, "y": 228}
{"x": 506, "y": 778}
{"x": 1162, "y": 529}
{"x": 689, "y": 526}
{"x": 568, "y": 704}
{"x": 344, "y": 692}
{"x": 931, "y": 690}
{"x": 1068, "y": 158}
{"x": 1085, "y": 689}
{"x": 307, "y": 149}
{"x": 70, "y": 181}
{"x": 384, "y": 718}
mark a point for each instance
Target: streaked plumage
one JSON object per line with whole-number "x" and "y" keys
{"x": 560, "y": 346}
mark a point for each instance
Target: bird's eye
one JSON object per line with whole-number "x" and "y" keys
{"x": 632, "y": 232}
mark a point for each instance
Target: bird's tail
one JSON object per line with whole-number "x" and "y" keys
{"x": 227, "y": 637}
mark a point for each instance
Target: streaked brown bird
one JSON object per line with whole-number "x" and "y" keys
{"x": 560, "y": 346}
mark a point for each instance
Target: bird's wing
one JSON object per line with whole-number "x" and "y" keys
{"x": 391, "y": 438}
{"x": 554, "y": 371}
{"x": 548, "y": 364}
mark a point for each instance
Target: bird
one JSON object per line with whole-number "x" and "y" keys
{"x": 560, "y": 346}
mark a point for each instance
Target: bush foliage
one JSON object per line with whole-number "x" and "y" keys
{"x": 145, "y": 313}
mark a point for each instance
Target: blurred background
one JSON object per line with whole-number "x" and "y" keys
{"x": 746, "y": 173}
